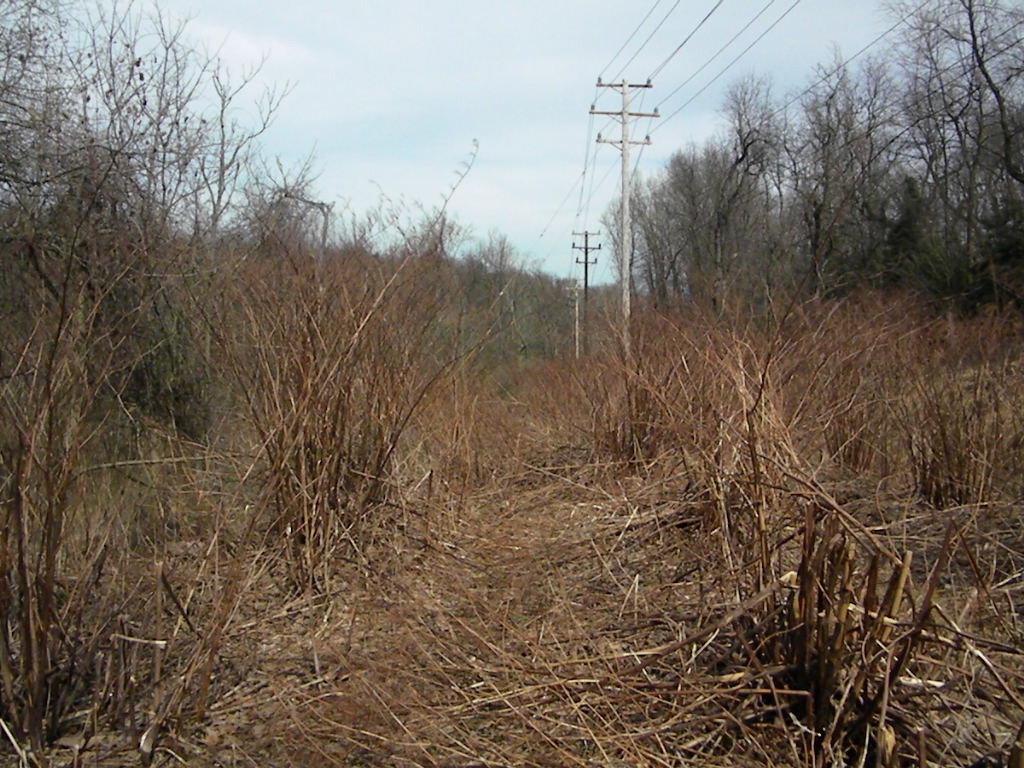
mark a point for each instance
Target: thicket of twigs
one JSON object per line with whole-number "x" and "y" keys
{"x": 788, "y": 541}
{"x": 807, "y": 552}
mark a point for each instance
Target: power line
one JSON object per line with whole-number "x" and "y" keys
{"x": 898, "y": 134}
{"x": 561, "y": 205}
{"x": 730, "y": 65}
{"x": 635, "y": 173}
{"x": 645, "y": 42}
{"x": 892, "y": 139}
{"x": 650, "y": 122}
{"x": 694, "y": 31}
{"x": 597, "y": 145}
{"x": 629, "y": 39}
{"x": 580, "y": 181}
{"x": 604, "y": 178}
{"x": 640, "y": 154}
{"x": 593, "y": 162}
{"x": 964, "y": 60}
{"x": 586, "y": 158}
{"x": 590, "y": 192}
{"x": 719, "y": 52}
{"x": 844, "y": 63}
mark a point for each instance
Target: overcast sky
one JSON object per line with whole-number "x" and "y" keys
{"x": 391, "y": 94}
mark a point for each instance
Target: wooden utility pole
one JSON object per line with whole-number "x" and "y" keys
{"x": 625, "y": 238}
{"x": 581, "y": 336}
{"x": 576, "y": 316}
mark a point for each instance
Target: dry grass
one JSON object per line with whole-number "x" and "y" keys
{"x": 591, "y": 623}
{"x": 330, "y": 380}
{"x": 808, "y": 553}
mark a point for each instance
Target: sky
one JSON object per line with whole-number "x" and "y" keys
{"x": 392, "y": 97}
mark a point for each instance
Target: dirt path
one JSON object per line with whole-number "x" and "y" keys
{"x": 386, "y": 670}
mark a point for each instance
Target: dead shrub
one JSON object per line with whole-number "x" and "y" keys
{"x": 962, "y": 430}
{"x": 332, "y": 360}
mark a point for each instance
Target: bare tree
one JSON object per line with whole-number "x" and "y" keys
{"x": 103, "y": 143}
{"x": 840, "y": 156}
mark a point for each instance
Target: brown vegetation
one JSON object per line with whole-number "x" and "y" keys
{"x": 276, "y": 495}
{"x": 807, "y": 552}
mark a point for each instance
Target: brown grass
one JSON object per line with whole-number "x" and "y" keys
{"x": 804, "y": 549}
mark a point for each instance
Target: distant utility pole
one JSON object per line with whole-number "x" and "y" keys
{"x": 625, "y": 246}
{"x": 576, "y": 316}
{"x": 586, "y": 262}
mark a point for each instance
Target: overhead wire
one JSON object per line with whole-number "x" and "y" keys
{"x": 732, "y": 63}
{"x": 643, "y": 96}
{"x": 645, "y": 42}
{"x": 852, "y": 58}
{"x": 657, "y": 70}
{"x": 708, "y": 62}
{"x": 928, "y": 94}
{"x": 643, "y": 145}
{"x": 719, "y": 52}
{"x": 604, "y": 178}
{"x": 636, "y": 53}
{"x": 580, "y": 181}
{"x": 590, "y": 191}
{"x": 701, "y": 23}
{"x": 561, "y": 205}
{"x": 630, "y": 38}
{"x": 803, "y": 93}
{"x": 640, "y": 154}
{"x": 586, "y": 157}
{"x": 590, "y": 158}
{"x": 743, "y": 29}
{"x": 892, "y": 139}
{"x": 728, "y": 66}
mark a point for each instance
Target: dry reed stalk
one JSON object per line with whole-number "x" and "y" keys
{"x": 632, "y": 657}
{"x": 334, "y": 381}
{"x": 545, "y": 608}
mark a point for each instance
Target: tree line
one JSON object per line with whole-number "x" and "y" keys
{"x": 903, "y": 171}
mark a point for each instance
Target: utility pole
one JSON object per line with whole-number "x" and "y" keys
{"x": 625, "y": 256}
{"x": 576, "y": 316}
{"x": 586, "y": 262}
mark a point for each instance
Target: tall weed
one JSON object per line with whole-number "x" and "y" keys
{"x": 332, "y": 360}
